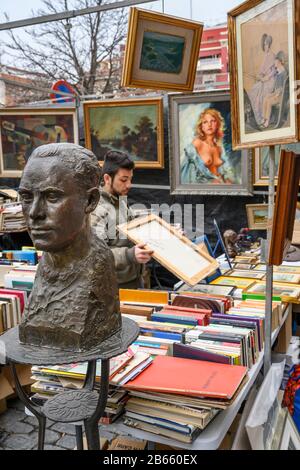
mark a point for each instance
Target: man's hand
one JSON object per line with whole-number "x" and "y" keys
{"x": 141, "y": 254}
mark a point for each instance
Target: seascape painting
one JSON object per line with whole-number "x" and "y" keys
{"x": 162, "y": 52}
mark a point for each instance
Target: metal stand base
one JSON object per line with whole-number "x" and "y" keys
{"x": 84, "y": 405}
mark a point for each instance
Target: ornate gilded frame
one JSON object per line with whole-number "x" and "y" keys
{"x": 141, "y": 21}
{"x": 157, "y": 102}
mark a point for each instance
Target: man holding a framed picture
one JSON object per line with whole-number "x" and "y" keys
{"x": 117, "y": 173}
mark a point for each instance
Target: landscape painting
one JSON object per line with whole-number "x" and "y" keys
{"x": 257, "y": 215}
{"x": 132, "y": 126}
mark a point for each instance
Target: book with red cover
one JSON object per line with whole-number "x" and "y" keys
{"x": 186, "y": 309}
{"x": 18, "y": 293}
{"x": 189, "y": 377}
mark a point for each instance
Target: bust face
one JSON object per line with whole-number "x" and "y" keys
{"x": 53, "y": 205}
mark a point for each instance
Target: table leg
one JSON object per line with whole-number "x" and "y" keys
{"x": 79, "y": 438}
{"x": 36, "y": 410}
{"x": 91, "y": 424}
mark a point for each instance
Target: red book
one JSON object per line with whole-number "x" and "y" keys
{"x": 18, "y": 293}
{"x": 201, "y": 318}
{"x": 187, "y": 309}
{"x": 189, "y": 377}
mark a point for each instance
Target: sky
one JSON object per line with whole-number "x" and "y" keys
{"x": 210, "y": 12}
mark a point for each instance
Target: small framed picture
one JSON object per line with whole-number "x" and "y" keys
{"x": 257, "y": 215}
{"x": 24, "y": 129}
{"x": 162, "y": 51}
{"x": 264, "y": 68}
{"x": 290, "y": 438}
{"x": 240, "y": 283}
{"x": 281, "y": 291}
{"x": 134, "y": 126}
{"x": 250, "y": 274}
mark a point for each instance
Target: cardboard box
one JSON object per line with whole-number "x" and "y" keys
{"x": 6, "y": 388}
{"x": 124, "y": 443}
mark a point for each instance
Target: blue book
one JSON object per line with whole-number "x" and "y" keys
{"x": 21, "y": 255}
{"x": 161, "y": 334}
{"x": 169, "y": 319}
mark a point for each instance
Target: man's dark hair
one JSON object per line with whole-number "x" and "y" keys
{"x": 114, "y": 161}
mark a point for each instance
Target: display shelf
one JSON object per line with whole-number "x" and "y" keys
{"x": 212, "y": 436}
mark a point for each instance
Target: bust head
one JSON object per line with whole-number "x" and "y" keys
{"x": 59, "y": 189}
{"x": 74, "y": 301}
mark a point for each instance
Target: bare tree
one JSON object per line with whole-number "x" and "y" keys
{"x": 82, "y": 50}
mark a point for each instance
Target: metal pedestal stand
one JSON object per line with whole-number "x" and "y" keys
{"x": 84, "y": 405}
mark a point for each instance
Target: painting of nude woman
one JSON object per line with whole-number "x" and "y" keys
{"x": 202, "y": 160}
{"x": 263, "y": 73}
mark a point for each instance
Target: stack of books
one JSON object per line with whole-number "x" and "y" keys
{"x": 12, "y": 218}
{"x": 182, "y": 315}
{"x": 20, "y": 277}
{"x": 50, "y": 380}
{"x": 212, "y": 302}
{"x": 12, "y": 303}
{"x": 177, "y": 397}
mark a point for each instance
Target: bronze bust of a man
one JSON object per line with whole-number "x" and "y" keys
{"x": 74, "y": 302}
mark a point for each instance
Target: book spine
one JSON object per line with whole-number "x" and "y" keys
{"x": 180, "y": 321}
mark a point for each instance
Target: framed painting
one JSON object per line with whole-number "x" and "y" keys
{"x": 264, "y": 68}
{"x": 250, "y": 274}
{"x": 257, "y": 215}
{"x": 133, "y": 126}
{"x": 23, "y": 130}
{"x": 296, "y": 231}
{"x": 172, "y": 250}
{"x": 161, "y": 52}
{"x": 285, "y": 206}
{"x": 281, "y": 291}
{"x": 240, "y": 283}
{"x": 280, "y": 269}
{"x": 261, "y": 165}
{"x": 201, "y": 157}
{"x": 291, "y": 278}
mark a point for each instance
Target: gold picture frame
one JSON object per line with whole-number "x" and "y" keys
{"x": 263, "y": 45}
{"x": 238, "y": 282}
{"x": 24, "y": 129}
{"x": 134, "y": 126}
{"x": 174, "y": 251}
{"x": 257, "y": 215}
{"x": 162, "y": 51}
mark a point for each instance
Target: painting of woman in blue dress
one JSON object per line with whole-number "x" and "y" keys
{"x": 208, "y": 157}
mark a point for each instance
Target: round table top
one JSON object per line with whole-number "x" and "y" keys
{"x": 36, "y": 355}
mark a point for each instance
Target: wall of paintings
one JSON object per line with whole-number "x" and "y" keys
{"x": 169, "y": 135}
